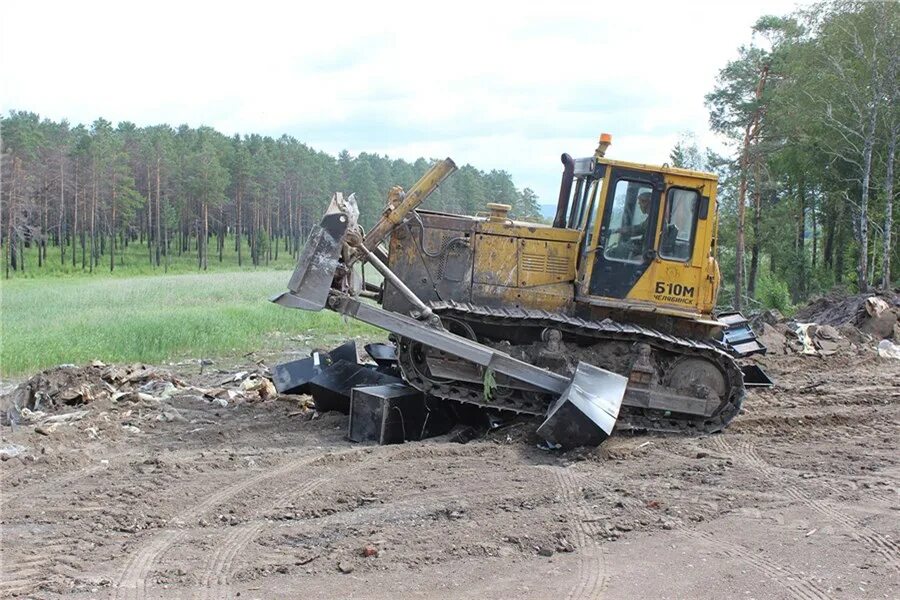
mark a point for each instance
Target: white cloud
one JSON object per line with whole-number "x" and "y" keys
{"x": 499, "y": 86}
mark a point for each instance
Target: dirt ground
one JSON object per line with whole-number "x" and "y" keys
{"x": 799, "y": 498}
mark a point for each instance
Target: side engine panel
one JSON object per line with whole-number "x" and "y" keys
{"x": 465, "y": 259}
{"x": 433, "y": 256}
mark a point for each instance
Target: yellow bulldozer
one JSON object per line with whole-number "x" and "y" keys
{"x": 602, "y": 320}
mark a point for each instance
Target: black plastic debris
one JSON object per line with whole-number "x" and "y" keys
{"x": 738, "y": 336}
{"x": 754, "y": 376}
{"x": 384, "y": 355}
{"x": 331, "y": 388}
{"x": 293, "y": 377}
{"x": 346, "y": 352}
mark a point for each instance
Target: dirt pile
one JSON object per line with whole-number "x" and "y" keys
{"x": 833, "y": 324}
{"x": 873, "y": 314}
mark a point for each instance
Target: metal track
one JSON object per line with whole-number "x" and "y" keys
{"x": 575, "y": 327}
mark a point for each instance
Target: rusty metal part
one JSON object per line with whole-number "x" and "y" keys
{"x": 645, "y": 407}
{"x": 421, "y": 309}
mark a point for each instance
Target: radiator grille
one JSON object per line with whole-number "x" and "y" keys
{"x": 541, "y": 263}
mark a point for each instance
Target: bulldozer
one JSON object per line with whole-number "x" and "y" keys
{"x": 602, "y": 320}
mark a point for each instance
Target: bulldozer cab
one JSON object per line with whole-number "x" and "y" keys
{"x": 648, "y": 235}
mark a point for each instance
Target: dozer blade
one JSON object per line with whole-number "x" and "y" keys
{"x": 586, "y": 412}
{"x": 311, "y": 282}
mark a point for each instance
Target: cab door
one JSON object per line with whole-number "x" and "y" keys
{"x": 627, "y": 232}
{"x": 675, "y": 276}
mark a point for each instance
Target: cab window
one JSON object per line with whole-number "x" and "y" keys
{"x": 589, "y": 217}
{"x": 628, "y": 220}
{"x": 679, "y": 224}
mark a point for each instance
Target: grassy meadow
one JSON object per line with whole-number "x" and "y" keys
{"x": 153, "y": 318}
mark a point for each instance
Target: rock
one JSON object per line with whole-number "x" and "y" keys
{"x": 702, "y": 454}
{"x": 827, "y": 347}
{"x": 827, "y": 332}
{"x": 345, "y": 567}
{"x": 771, "y": 316}
{"x": 875, "y": 306}
{"x": 46, "y": 429}
{"x": 73, "y": 396}
{"x": 668, "y": 525}
{"x": 131, "y": 429}
{"x": 773, "y": 339}
{"x": 881, "y": 320}
{"x": 170, "y": 414}
{"x": 369, "y": 551}
{"x": 854, "y": 335}
{"x": 159, "y": 389}
{"x": 545, "y": 551}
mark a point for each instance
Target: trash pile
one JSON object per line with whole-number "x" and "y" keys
{"x": 835, "y": 324}
{"x": 117, "y": 397}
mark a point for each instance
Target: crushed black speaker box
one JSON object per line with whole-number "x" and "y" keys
{"x": 387, "y": 414}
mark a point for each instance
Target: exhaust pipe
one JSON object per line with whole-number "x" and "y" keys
{"x": 565, "y": 190}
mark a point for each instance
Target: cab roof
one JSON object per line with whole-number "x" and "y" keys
{"x": 659, "y": 169}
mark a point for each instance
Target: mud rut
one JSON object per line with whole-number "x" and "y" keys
{"x": 271, "y": 509}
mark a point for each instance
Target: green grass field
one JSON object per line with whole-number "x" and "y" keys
{"x": 52, "y": 320}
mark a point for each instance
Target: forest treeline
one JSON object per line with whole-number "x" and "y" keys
{"x": 81, "y": 194}
{"x": 812, "y": 111}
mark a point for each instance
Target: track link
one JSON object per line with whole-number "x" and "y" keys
{"x": 596, "y": 332}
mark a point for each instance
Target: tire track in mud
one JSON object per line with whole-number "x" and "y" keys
{"x": 592, "y": 578}
{"x": 221, "y": 566}
{"x": 23, "y": 575}
{"x": 63, "y": 483}
{"x": 132, "y": 581}
{"x": 799, "y": 586}
{"x": 873, "y": 540}
{"x": 57, "y": 552}
{"x": 56, "y": 555}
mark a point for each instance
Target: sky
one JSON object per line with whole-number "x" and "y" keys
{"x": 496, "y": 85}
